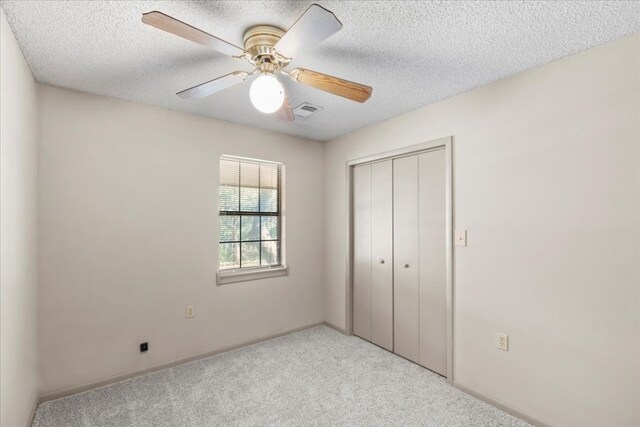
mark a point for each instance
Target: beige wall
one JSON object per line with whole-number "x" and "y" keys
{"x": 18, "y": 251}
{"x": 547, "y": 183}
{"x": 128, "y": 237}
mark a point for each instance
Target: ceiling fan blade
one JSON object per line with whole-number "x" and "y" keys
{"x": 315, "y": 24}
{"x": 186, "y": 31}
{"x": 285, "y": 113}
{"x": 213, "y": 86}
{"x": 344, "y": 88}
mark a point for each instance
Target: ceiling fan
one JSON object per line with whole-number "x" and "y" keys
{"x": 269, "y": 49}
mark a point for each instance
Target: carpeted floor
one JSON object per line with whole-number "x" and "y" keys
{"x": 316, "y": 377}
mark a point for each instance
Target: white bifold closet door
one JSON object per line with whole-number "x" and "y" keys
{"x": 406, "y": 285}
{"x": 399, "y": 256}
{"x": 420, "y": 259}
{"x": 362, "y": 251}
{"x": 433, "y": 261}
{"x": 373, "y": 253}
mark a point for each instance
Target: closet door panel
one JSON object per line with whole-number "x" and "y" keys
{"x": 382, "y": 254}
{"x": 362, "y": 251}
{"x": 406, "y": 309}
{"x": 432, "y": 252}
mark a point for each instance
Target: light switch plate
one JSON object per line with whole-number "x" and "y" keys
{"x": 190, "y": 312}
{"x": 460, "y": 237}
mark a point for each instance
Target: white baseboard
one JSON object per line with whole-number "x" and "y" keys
{"x": 119, "y": 378}
{"x": 32, "y": 415}
{"x": 332, "y": 326}
{"x": 500, "y": 405}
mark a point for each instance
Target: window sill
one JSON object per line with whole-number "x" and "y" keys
{"x": 234, "y": 276}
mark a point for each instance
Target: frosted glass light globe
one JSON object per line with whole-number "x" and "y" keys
{"x": 267, "y": 94}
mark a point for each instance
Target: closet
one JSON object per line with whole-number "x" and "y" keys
{"x": 399, "y": 256}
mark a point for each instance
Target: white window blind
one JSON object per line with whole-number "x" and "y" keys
{"x": 250, "y": 217}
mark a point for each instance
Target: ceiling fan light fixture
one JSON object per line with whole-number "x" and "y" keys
{"x": 269, "y": 50}
{"x": 267, "y": 94}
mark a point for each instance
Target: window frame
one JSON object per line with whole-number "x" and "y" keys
{"x": 241, "y": 274}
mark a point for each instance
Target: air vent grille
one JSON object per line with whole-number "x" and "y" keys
{"x": 304, "y": 110}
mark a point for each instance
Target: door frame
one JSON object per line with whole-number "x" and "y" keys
{"x": 445, "y": 143}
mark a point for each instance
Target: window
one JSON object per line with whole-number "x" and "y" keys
{"x": 250, "y": 201}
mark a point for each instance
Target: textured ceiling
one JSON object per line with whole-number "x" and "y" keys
{"x": 412, "y": 53}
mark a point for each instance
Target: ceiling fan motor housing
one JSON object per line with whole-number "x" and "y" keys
{"x": 259, "y": 42}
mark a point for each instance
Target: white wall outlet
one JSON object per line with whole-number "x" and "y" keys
{"x": 502, "y": 342}
{"x": 190, "y": 311}
{"x": 460, "y": 237}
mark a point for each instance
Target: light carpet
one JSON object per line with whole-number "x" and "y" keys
{"x": 315, "y": 377}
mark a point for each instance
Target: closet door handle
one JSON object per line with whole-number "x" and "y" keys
{"x": 406, "y": 266}
{"x": 381, "y": 261}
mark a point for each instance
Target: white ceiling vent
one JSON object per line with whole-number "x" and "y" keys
{"x": 304, "y": 110}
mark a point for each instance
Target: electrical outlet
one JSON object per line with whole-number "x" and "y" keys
{"x": 502, "y": 342}
{"x": 190, "y": 311}
{"x": 144, "y": 347}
